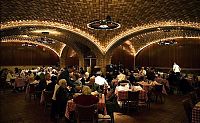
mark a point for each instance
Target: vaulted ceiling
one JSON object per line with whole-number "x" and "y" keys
{"x": 142, "y": 21}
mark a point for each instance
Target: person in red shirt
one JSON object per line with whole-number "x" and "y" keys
{"x": 86, "y": 98}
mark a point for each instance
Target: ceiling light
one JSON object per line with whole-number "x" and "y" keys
{"x": 106, "y": 24}
{"x": 45, "y": 40}
{"x": 29, "y": 45}
{"x": 167, "y": 42}
{"x": 47, "y": 31}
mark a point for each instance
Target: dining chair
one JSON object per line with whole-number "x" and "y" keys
{"x": 146, "y": 102}
{"x": 3, "y": 83}
{"x": 47, "y": 99}
{"x": 86, "y": 113}
{"x": 111, "y": 107}
{"x": 193, "y": 97}
{"x": 30, "y": 91}
{"x": 124, "y": 82}
{"x": 187, "y": 104}
{"x": 122, "y": 98}
{"x": 157, "y": 91}
{"x": 133, "y": 100}
{"x": 197, "y": 92}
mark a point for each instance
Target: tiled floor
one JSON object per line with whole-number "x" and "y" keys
{"x": 15, "y": 109}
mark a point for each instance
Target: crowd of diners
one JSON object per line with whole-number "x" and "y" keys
{"x": 65, "y": 82}
{"x": 46, "y": 77}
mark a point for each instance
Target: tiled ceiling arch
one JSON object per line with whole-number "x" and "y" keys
{"x": 59, "y": 36}
{"x": 138, "y": 40}
{"x": 56, "y": 50}
{"x": 131, "y": 14}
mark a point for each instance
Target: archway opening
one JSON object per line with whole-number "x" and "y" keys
{"x": 186, "y": 53}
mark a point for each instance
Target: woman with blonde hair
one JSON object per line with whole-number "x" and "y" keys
{"x": 86, "y": 98}
{"x": 86, "y": 90}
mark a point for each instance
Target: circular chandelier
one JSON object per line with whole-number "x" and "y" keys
{"x": 106, "y": 24}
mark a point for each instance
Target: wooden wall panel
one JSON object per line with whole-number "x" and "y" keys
{"x": 121, "y": 56}
{"x": 13, "y": 54}
{"x": 186, "y": 53}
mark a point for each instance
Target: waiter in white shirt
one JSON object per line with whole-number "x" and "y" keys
{"x": 100, "y": 80}
{"x": 176, "y": 69}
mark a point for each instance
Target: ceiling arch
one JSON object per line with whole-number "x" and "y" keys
{"x": 16, "y": 40}
{"x": 73, "y": 16}
{"x": 70, "y": 30}
{"x": 59, "y": 35}
{"x": 156, "y": 41}
{"x": 146, "y": 36}
{"x": 151, "y": 28}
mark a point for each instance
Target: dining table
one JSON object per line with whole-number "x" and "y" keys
{"x": 162, "y": 81}
{"x": 71, "y": 105}
{"x": 20, "y": 82}
{"x": 196, "y": 113}
{"x": 122, "y": 92}
{"x": 147, "y": 86}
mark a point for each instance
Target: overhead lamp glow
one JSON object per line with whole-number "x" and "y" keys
{"x": 167, "y": 42}
{"x": 50, "y": 31}
{"x": 107, "y": 24}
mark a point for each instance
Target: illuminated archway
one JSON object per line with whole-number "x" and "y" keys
{"x": 32, "y": 42}
{"x": 94, "y": 42}
{"x": 124, "y": 36}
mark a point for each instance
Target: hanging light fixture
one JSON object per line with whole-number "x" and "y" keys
{"x": 44, "y": 39}
{"x": 105, "y": 24}
{"x": 167, "y": 42}
{"x": 29, "y": 45}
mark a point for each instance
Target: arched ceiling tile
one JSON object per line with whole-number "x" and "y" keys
{"x": 77, "y": 13}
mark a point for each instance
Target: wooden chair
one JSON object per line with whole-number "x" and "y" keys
{"x": 86, "y": 113}
{"x": 157, "y": 91}
{"x": 133, "y": 100}
{"x": 146, "y": 103}
{"x": 188, "y": 109}
{"x": 193, "y": 97}
{"x": 122, "y": 99}
{"x": 30, "y": 91}
{"x": 3, "y": 83}
{"x": 111, "y": 107}
{"x": 47, "y": 99}
{"x": 197, "y": 92}
{"x": 124, "y": 82}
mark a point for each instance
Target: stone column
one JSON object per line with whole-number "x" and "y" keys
{"x": 62, "y": 62}
{"x": 102, "y": 61}
{"x": 81, "y": 61}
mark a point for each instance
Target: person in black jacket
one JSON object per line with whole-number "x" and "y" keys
{"x": 65, "y": 75}
{"x": 41, "y": 86}
{"x": 132, "y": 78}
{"x": 151, "y": 74}
{"x": 50, "y": 86}
{"x": 62, "y": 96}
